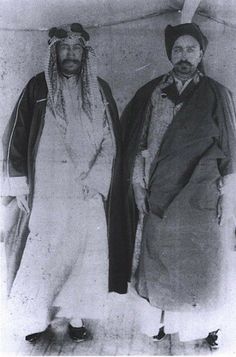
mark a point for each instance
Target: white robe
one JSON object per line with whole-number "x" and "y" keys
{"x": 64, "y": 268}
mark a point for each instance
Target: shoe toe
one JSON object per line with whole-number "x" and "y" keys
{"x": 33, "y": 337}
{"x": 214, "y": 339}
{"x": 160, "y": 336}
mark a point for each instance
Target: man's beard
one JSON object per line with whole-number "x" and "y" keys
{"x": 64, "y": 66}
{"x": 184, "y": 67}
{"x": 71, "y": 61}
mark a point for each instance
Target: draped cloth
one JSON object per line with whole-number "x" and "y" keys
{"x": 159, "y": 115}
{"x": 65, "y": 261}
{"x": 183, "y": 263}
{"x": 86, "y": 91}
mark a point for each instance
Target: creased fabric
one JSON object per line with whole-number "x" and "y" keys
{"x": 21, "y": 140}
{"x": 62, "y": 225}
{"x": 159, "y": 115}
{"x": 182, "y": 265}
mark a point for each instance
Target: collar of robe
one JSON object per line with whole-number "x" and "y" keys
{"x": 169, "y": 88}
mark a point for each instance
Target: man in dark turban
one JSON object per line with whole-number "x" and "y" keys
{"x": 180, "y": 164}
{"x": 62, "y": 146}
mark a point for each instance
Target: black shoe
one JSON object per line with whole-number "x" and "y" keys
{"x": 212, "y": 338}
{"x": 33, "y": 337}
{"x": 78, "y": 334}
{"x": 160, "y": 336}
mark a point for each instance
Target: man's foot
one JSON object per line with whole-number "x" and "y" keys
{"x": 160, "y": 336}
{"x": 212, "y": 338}
{"x": 34, "y": 336}
{"x": 78, "y": 334}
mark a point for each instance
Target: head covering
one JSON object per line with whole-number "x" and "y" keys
{"x": 88, "y": 87}
{"x": 172, "y": 33}
{"x": 74, "y": 30}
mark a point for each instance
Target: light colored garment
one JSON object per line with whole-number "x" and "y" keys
{"x": 65, "y": 261}
{"x": 180, "y": 85}
{"x": 189, "y": 325}
{"x": 159, "y": 116}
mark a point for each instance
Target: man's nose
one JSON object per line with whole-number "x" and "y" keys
{"x": 70, "y": 53}
{"x": 184, "y": 55}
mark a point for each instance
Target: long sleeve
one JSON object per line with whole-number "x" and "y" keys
{"x": 227, "y": 120}
{"x": 15, "y": 146}
{"x": 227, "y": 165}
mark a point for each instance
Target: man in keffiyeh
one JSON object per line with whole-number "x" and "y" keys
{"x": 180, "y": 165}
{"x": 61, "y": 168}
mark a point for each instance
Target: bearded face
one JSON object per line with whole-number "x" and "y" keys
{"x": 186, "y": 55}
{"x": 69, "y": 56}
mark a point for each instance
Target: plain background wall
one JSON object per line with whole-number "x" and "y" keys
{"x": 129, "y": 54}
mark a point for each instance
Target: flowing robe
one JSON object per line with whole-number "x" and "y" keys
{"x": 183, "y": 257}
{"x": 65, "y": 256}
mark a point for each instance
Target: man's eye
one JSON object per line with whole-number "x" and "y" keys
{"x": 177, "y": 50}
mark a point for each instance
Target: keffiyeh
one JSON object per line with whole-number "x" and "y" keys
{"x": 88, "y": 87}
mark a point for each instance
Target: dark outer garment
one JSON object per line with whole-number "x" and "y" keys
{"x": 197, "y": 150}
{"x": 25, "y": 133}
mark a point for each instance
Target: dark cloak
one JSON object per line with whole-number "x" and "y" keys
{"x": 197, "y": 151}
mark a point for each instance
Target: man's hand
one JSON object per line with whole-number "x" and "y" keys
{"x": 22, "y": 201}
{"x": 140, "y": 195}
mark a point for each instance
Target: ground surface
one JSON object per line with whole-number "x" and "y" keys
{"x": 118, "y": 335}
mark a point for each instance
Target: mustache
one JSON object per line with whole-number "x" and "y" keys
{"x": 65, "y": 61}
{"x": 184, "y": 62}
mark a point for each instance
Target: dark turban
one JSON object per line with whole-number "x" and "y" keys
{"x": 174, "y": 32}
